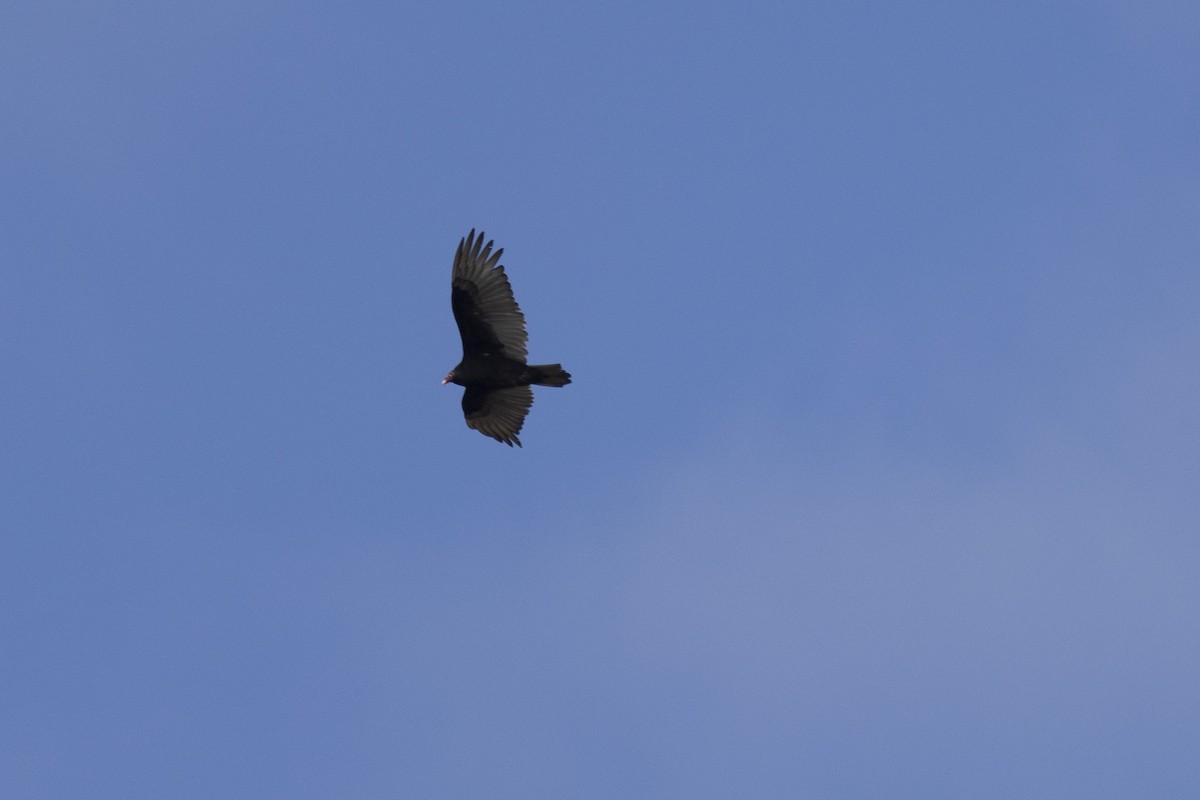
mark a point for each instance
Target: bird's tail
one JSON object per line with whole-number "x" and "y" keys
{"x": 549, "y": 375}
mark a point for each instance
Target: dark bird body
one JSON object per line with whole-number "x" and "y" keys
{"x": 493, "y": 368}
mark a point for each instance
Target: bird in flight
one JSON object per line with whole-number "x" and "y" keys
{"x": 492, "y": 327}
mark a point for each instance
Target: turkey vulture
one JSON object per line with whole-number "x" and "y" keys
{"x": 493, "y": 367}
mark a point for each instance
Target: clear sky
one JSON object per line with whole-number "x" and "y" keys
{"x": 877, "y": 479}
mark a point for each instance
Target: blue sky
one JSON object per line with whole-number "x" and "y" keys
{"x": 877, "y": 477}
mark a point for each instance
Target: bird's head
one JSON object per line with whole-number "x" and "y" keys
{"x": 449, "y": 378}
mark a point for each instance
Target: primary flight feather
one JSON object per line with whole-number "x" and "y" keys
{"x": 493, "y": 368}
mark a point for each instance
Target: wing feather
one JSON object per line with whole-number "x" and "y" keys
{"x": 498, "y": 413}
{"x": 489, "y": 319}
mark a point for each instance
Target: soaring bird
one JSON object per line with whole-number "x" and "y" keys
{"x": 493, "y": 367}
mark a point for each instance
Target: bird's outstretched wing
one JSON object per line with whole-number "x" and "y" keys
{"x": 488, "y": 317}
{"x": 498, "y": 413}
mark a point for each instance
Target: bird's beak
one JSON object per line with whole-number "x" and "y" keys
{"x": 445, "y": 380}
